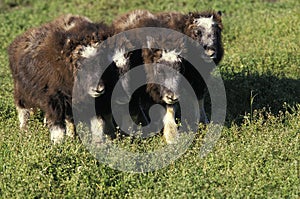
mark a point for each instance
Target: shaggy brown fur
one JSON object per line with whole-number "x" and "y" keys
{"x": 130, "y": 20}
{"x": 184, "y": 23}
{"x": 218, "y": 27}
{"x": 43, "y": 68}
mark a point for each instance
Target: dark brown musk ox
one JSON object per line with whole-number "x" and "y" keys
{"x": 44, "y": 62}
{"x": 203, "y": 27}
{"x": 161, "y": 65}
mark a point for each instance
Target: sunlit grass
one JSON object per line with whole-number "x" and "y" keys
{"x": 257, "y": 154}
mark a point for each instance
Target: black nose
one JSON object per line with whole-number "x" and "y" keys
{"x": 172, "y": 97}
{"x": 210, "y": 51}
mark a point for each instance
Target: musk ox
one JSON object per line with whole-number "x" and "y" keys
{"x": 162, "y": 67}
{"x": 44, "y": 62}
{"x": 203, "y": 27}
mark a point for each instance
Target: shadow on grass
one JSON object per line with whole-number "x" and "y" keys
{"x": 249, "y": 91}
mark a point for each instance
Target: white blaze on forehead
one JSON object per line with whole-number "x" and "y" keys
{"x": 89, "y": 51}
{"x": 119, "y": 58}
{"x": 205, "y": 22}
{"x": 170, "y": 56}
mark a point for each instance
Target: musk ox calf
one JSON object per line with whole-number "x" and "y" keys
{"x": 44, "y": 62}
{"x": 203, "y": 27}
{"x": 162, "y": 67}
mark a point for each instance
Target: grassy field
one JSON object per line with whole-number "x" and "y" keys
{"x": 257, "y": 154}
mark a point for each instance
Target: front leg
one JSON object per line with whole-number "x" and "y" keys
{"x": 23, "y": 115}
{"x": 203, "y": 117}
{"x": 70, "y": 128}
{"x": 170, "y": 131}
{"x": 97, "y": 129}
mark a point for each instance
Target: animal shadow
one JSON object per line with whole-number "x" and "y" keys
{"x": 246, "y": 92}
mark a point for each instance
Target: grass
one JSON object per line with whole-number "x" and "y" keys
{"x": 257, "y": 154}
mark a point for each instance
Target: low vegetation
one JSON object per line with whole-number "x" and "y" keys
{"x": 257, "y": 154}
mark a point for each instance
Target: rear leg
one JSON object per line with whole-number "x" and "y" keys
{"x": 55, "y": 111}
{"x": 70, "y": 126}
{"x": 69, "y": 123}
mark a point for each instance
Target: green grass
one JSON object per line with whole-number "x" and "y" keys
{"x": 257, "y": 154}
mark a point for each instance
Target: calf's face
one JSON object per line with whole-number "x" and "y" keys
{"x": 207, "y": 32}
{"x": 164, "y": 75}
{"x": 88, "y": 76}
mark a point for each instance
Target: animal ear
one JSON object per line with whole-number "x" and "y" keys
{"x": 219, "y": 13}
{"x": 191, "y": 14}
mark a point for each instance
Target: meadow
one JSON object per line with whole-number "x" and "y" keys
{"x": 257, "y": 155}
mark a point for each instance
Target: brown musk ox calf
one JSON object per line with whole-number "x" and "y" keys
{"x": 44, "y": 62}
{"x": 203, "y": 27}
{"x": 161, "y": 65}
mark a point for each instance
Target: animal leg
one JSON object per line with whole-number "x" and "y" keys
{"x": 23, "y": 115}
{"x": 56, "y": 134}
{"x": 170, "y": 131}
{"x": 97, "y": 129}
{"x": 203, "y": 117}
{"x": 55, "y": 114}
{"x": 109, "y": 126}
{"x": 70, "y": 128}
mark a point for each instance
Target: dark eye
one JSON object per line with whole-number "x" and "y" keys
{"x": 198, "y": 33}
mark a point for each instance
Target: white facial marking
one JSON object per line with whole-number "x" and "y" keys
{"x": 171, "y": 56}
{"x": 89, "y": 51}
{"x": 119, "y": 58}
{"x": 205, "y": 22}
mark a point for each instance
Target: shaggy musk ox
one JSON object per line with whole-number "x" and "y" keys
{"x": 203, "y": 27}
{"x": 44, "y": 62}
{"x": 162, "y": 68}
